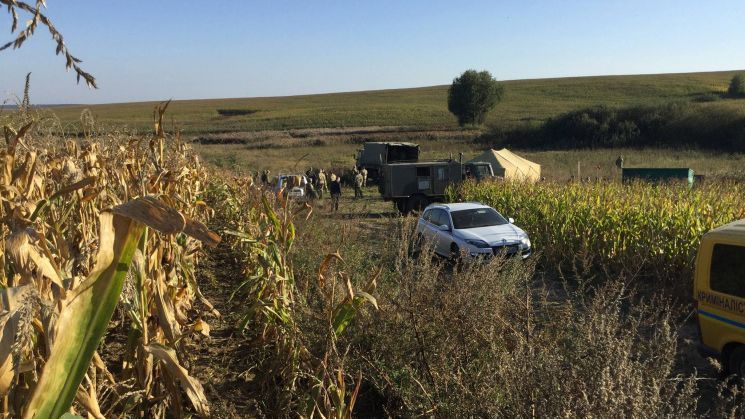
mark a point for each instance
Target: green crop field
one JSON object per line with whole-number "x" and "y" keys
{"x": 525, "y": 101}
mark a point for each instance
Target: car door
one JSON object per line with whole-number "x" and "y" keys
{"x": 721, "y": 299}
{"x": 424, "y": 228}
{"x": 431, "y": 229}
{"x": 443, "y": 238}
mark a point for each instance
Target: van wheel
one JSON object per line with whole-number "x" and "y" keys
{"x": 736, "y": 364}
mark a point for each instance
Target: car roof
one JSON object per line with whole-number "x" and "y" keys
{"x": 734, "y": 230}
{"x": 458, "y": 206}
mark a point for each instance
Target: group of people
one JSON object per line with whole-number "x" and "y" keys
{"x": 320, "y": 181}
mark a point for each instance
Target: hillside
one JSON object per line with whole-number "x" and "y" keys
{"x": 526, "y": 100}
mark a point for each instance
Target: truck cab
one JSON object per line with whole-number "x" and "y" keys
{"x": 719, "y": 292}
{"x": 478, "y": 170}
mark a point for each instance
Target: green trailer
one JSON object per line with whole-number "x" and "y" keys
{"x": 658, "y": 174}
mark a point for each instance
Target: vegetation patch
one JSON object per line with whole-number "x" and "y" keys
{"x": 677, "y": 124}
{"x": 236, "y": 112}
{"x": 504, "y": 337}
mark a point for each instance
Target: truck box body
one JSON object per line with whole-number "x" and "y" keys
{"x": 413, "y": 185}
{"x": 374, "y": 155}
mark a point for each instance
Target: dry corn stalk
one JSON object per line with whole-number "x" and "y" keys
{"x": 67, "y": 260}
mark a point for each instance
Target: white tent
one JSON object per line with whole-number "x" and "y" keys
{"x": 509, "y": 165}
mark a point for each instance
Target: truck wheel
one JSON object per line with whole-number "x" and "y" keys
{"x": 401, "y": 206}
{"x": 418, "y": 203}
{"x": 736, "y": 364}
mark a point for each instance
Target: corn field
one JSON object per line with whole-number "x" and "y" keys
{"x": 298, "y": 365}
{"x": 88, "y": 226}
{"x": 103, "y": 237}
{"x": 645, "y": 229}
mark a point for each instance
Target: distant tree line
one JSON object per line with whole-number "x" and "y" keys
{"x": 736, "y": 86}
{"x": 669, "y": 125}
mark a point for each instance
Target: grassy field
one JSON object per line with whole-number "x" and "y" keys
{"x": 525, "y": 101}
{"x": 556, "y": 165}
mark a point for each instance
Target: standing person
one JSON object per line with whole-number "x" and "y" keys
{"x": 335, "y": 189}
{"x": 364, "y": 177}
{"x": 321, "y": 183}
{"x": 265, "y": 176}
{"x": 310, "y": 191}
{"x": 311, "y": 175}
{"x": 358, "y": 180}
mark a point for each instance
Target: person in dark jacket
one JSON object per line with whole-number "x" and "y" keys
{"x": 335, "y": 190}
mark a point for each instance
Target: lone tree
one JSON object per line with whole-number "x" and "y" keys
{"x": 472, "y": 95}
{"x": 736, "y": 86}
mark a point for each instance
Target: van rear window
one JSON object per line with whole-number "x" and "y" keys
{"x": 728, "y": 270}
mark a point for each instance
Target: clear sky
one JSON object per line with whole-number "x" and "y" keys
{"x": 158, "y": 49}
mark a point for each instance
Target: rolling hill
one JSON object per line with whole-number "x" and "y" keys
{"x": 422, "y": 108}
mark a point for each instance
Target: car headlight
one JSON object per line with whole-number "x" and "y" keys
{"x": 525, "y": 241}
{"x": 478, "y": 243}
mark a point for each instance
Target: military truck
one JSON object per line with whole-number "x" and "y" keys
{"x": 413, "y": 186}
{"x": 374, "y": 155}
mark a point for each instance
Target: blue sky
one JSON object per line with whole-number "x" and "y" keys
{"x": 158, "y": 49}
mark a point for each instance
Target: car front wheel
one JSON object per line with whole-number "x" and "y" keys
{"x": 454, "y": 251}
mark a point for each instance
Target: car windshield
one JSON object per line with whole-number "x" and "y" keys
{"x": 477, "y": 217}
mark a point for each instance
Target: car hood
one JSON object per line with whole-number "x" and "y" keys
{"x": 493, "y": 235}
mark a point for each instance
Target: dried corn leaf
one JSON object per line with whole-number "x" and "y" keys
{"x": 325, "y": 265}
{"x": 74, "y": 187}
{"x": 89, "y": 403}
{"x": 28, "y": 261}
{"x": 166, "y": 311}
{"x": 9, "y": 316}
{"x": 153, "y": 213}
{"x": 200, "y": 232}
{"x": 201, "y": 326}
{"x": 191, "y": 386}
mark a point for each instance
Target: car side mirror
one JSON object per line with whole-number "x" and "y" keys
{"x": 444, "y": 227}
{"x": 511, "y": 220}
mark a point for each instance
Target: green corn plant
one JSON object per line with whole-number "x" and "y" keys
{"x": 260, "y": 229}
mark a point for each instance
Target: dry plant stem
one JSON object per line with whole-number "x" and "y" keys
{"x": 37, "y": 17}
